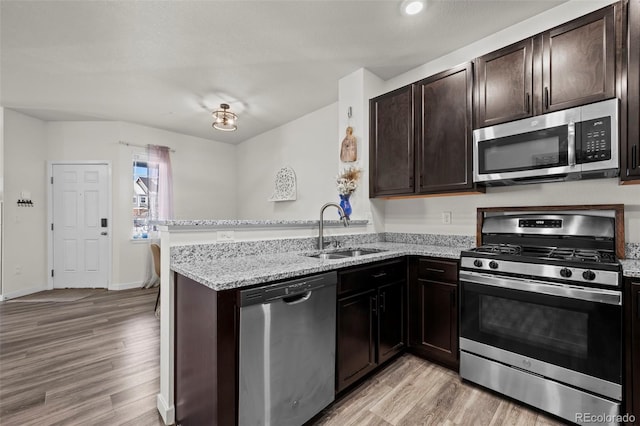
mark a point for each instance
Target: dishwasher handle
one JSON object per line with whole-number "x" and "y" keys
{"x": 289, "y": 291}
{"x": 298, "y": 298}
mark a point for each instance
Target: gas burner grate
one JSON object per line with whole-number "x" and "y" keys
{"x": 500, "y": 249}
{"x": 582, "y": 255}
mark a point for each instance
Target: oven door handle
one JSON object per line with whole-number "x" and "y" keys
{"x": 610, "y": 297}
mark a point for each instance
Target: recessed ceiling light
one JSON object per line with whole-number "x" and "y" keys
{"x": 412, "y": 7}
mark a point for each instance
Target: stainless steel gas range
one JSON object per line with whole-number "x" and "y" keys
{"x": 541, "y": 313}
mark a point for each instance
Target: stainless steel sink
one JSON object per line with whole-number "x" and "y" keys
{"x": 327, "y": 256}
{"x": 341, "y": 254}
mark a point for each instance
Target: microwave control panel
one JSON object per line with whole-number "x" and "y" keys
{"x": 595, "y": 138}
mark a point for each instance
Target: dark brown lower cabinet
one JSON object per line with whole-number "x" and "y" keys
{"x": 632, "y": 352}
{"x": 371, "y": 326}
{"x": 355, "y": 345}
{"x": 433, "y": 310}
{"x": 206, "y": 354}
{"x": 391, "y": 324}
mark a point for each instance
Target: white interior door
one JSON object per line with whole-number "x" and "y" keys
{"x": 81, "y": 225}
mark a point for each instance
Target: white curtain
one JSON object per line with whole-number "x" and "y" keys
{"x": 160, "y": 200}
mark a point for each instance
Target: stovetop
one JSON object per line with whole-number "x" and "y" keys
{"x": 588, "y": 267}
{"x": 566, "y": 248}
{"x": 568, "y": 254}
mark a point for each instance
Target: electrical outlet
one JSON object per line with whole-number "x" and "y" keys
{"x": 18, "y": 269}
{"x": 225, "y": 235}
{"x": 446, "y": 218}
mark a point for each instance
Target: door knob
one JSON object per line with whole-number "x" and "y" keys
{"x": 103, "y": 233}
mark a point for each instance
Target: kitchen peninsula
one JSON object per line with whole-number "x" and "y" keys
{"x": 192, "y": 250}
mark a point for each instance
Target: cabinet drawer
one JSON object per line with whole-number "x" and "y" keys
{"x": 371, "y": 276}
{"x": 438, "y": 270}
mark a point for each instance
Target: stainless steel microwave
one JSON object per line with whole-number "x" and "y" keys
{"x": 576, "y": 143}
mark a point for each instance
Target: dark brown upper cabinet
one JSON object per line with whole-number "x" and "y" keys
{"x": 630, "y": 149}
{"x": 392, "y": 143}
{"x": 570, "y": 65}
{"x": 423, "y": 129}
{"x": 444, "y": 131}
{"x": 579, "y": 61}
{"x": 505, "y": 84}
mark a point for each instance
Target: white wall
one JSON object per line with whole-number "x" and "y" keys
{"x": 201, "y": 188}
{"x": 24, "y": 228}
{"x": 353, "y": 93}
{"x": 423, "y": 215}
{"x": 308, "y": 145}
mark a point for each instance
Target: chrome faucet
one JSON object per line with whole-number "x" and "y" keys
{"x": 343, "y": 217}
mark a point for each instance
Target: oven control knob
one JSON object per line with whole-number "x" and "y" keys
{"x": 477, "y": 263}
{"x": 565, "y": 272}
{"x": 589, "y": 275}
{"x": 493, "y": 264}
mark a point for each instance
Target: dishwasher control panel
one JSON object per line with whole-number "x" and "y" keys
{"x": 285, "y": 289}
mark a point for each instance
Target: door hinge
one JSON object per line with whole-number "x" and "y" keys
{"x": 52, "y": 272}
{"x": 52, "y": 226}
{"x": 51, "y": 180}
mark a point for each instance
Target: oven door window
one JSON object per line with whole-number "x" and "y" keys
{"x": 575, "y": 334}
{"x": 526, "y": 151}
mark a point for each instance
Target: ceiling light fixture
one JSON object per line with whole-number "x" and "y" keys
{"x": 412, "y": 7}
{"x": 224, "y": 119}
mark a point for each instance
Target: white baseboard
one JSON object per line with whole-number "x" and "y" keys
{"x": 22, "y": 292}
{"x": 125, "y": 286}
{"x": 168, "y": 413}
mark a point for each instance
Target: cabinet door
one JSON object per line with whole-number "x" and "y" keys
{"x": 631, "y": 167}
{"x": 579, "y": 61}
{"x": 443, "y": 116}
{"x": 391, "y": 324}
{"x": 391, "y": 143}
{"x": 434, "y": 320}
{"x": 504, "y": 84}
{"x": 355, "y": 338}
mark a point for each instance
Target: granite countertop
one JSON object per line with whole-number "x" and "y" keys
{"x": 243, "y": 271}
{"x": 232, "y": 223}
{"x": 631, "y": 267}
{"x": 230, "y": 273}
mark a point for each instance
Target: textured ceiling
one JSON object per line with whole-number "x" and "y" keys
{"x": 168, "y": 64}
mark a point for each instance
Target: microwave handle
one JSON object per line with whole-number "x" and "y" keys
{"x": 571, "y": 139}
{"x": 515, "y": 181}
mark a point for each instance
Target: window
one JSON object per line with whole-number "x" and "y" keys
{"x": 145, "y": 176}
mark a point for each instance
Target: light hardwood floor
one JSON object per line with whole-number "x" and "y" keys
{"x": 412, "y": 391}
{"x": 95, "y": 361}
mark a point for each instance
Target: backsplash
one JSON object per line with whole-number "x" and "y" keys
{"x": 430, "y": 239}
{"x": 632, "y": 251}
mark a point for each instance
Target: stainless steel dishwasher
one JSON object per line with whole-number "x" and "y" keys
{"x": 287, "y": 351}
